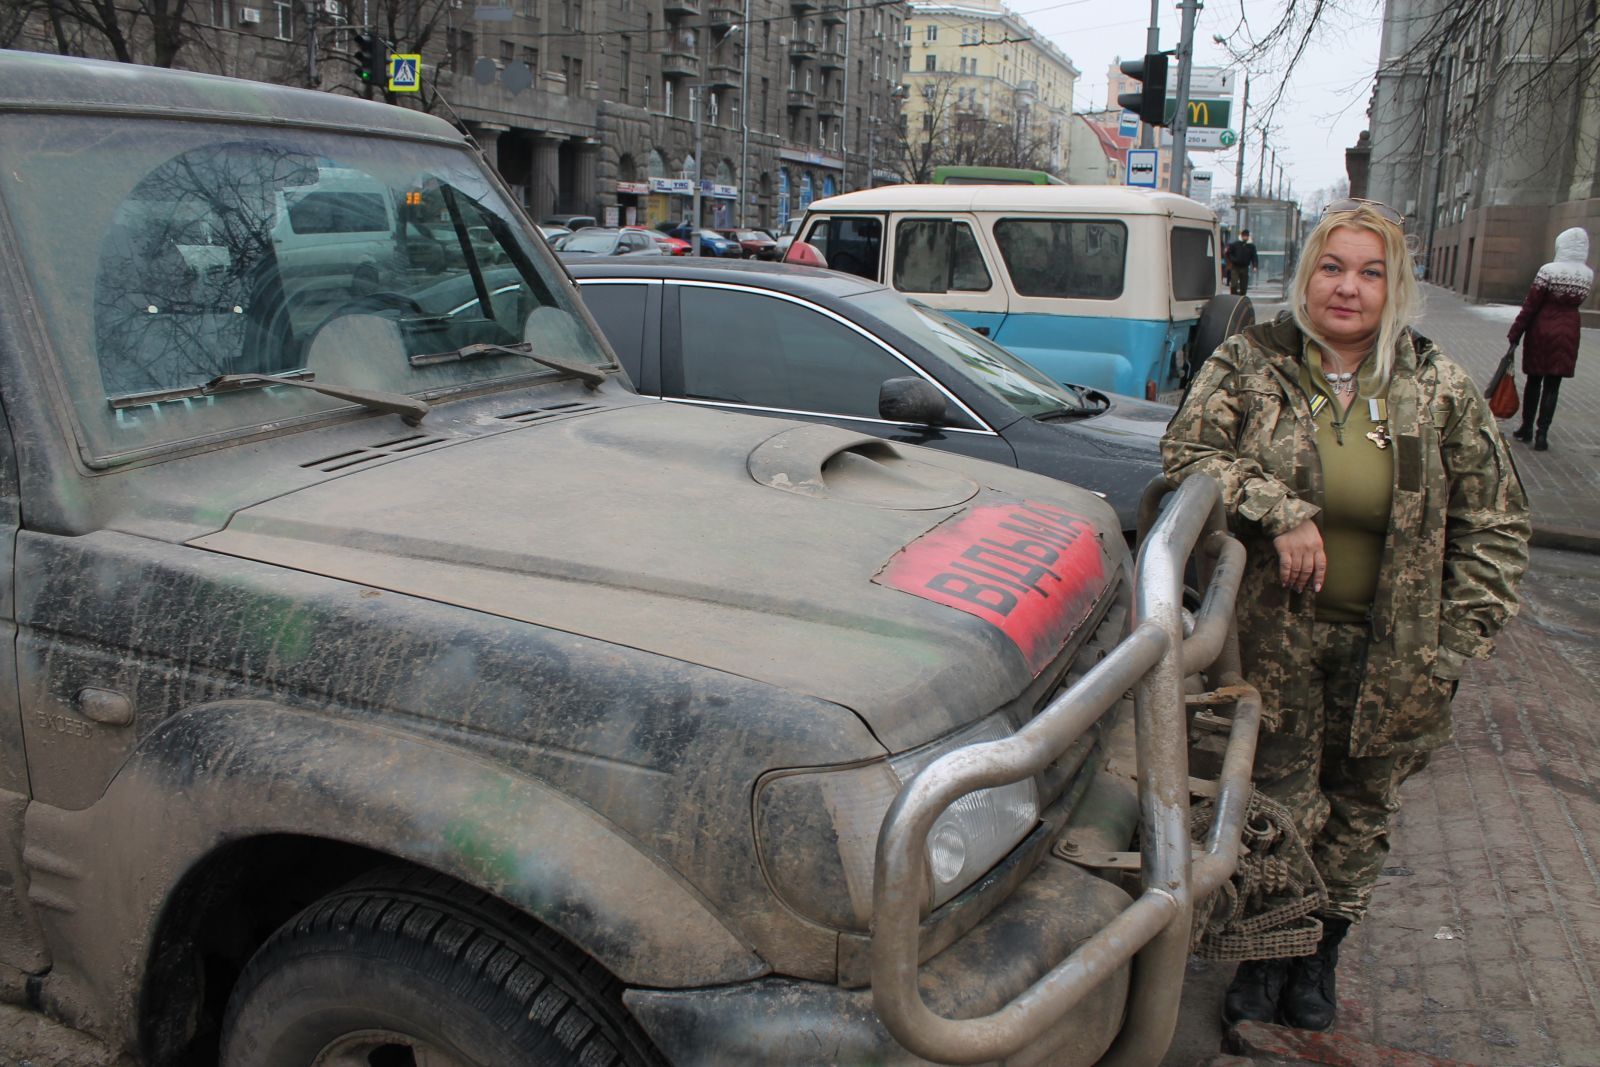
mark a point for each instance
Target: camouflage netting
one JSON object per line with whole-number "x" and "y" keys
{"x": 1265, "y": 910}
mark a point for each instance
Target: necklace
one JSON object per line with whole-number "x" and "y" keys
{"x": 1343, "y": 383}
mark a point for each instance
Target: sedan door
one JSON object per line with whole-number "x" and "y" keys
{"x": 770, "y": 353}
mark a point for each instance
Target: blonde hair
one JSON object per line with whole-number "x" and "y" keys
{"x": 1403, "y": 302}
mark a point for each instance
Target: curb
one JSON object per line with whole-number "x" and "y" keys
{"x": 1566, "y": 538}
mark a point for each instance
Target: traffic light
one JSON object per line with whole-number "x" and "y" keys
{"x": 1150, "y": 102}
{"x": 372, "y": 60}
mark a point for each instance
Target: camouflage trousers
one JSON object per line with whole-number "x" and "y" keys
{"x": 1341, "y": 803}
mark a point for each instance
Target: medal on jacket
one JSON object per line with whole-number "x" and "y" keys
{"x": 1377, "y": 413}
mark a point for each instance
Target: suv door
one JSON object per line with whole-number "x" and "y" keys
{"x": 776, "y": 354}
{"x": 19, "y": 944}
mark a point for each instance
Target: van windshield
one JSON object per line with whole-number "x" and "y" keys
{"x": 166, "y": 254}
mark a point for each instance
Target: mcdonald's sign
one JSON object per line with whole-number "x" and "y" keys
{"x": 1203, "y": 114}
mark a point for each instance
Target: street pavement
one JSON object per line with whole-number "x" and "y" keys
{"x": 1483, "y": 943}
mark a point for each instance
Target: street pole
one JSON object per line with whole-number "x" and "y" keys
{"x": 872, "y": 143}
{"x": 1178, "y": 182}
{"x": 1238, "y": 170}
{"x": 311, "y": 43}
{"x": 744, "y": 118}
{"x": 1261, "y": 163}
{"x": 1152, "y": 45}
{"x": 694, "y": 224}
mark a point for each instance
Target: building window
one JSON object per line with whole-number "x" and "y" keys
{"x": 932, "y": 34}
{"x": 908, "y": 33}
{"x": 508, "y": 52}
{"x": 572, "y": 67}
{"x": 667, "y": 96}
{"x": 877, "y": 60}
{"x": 930, "y": 62}
{"x": 647, "y": 92}
{"x": 627, "y": 70}
{"x": 285, "y": 13}
{"x": 766, "y": 102}
{"x": 530, "y": 56}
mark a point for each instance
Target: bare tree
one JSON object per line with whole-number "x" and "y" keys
{"x": 953, "y": 130}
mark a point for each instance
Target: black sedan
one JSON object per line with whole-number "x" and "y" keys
{"x": 817, "y": 345}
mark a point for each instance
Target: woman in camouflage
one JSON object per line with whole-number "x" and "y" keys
{"x": 1385, "y": 531}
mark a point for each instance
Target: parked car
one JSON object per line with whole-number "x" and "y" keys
{"x": 712, "y": 243}
{"x": 571, "y": 222}
{"x": 819, "y": 345}
{"x": 1106, "y": 286}
{"x": 786, "y": 235}
{"x": 608, "y": 241}
{"x": 753, "y": 244}
{"x": 671, "y": 246}
{"x": 553, "y": 233}
{"x": 388, "y": 682}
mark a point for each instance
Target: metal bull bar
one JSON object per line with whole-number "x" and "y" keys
{"x": 1153, "y": 931}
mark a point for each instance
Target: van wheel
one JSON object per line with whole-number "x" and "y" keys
{"x": 1224, "y": 316}
{"x": 415, "y": 970}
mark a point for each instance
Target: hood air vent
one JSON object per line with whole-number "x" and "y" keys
{"x": 398, "y": 446}
{"x": 528, "y": 415}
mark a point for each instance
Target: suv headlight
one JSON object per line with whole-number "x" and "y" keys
{"x": 817, "y": 830}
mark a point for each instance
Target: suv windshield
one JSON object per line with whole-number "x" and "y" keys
{"x": 165, "y": 254}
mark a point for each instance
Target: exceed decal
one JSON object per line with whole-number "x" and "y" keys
{"x": 1029, "y": 569}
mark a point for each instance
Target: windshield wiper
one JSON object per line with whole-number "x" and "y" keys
{"x": 408, "y": 408}
{"x": 1090, "y": 402}
{"x": 592, "y": 376}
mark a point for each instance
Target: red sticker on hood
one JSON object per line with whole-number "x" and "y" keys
{"x": 1029, "y": 569}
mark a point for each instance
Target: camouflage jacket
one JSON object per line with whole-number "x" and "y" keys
{"x": 1458, "y": 526}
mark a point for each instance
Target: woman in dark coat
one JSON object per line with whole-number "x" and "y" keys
{"x": 1548, "y": 328}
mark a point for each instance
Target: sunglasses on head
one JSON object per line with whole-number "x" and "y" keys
{"x": 1353, "y": 203}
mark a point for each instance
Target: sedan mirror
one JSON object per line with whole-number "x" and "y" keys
{"x": 913, "y": 400}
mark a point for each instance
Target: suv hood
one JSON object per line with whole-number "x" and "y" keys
{"x": 754, "y": 547}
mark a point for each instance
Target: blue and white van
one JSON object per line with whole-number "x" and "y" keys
{"x": 1098, "y": 285}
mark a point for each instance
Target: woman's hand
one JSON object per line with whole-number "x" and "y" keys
{"x": 1301, "y": 558}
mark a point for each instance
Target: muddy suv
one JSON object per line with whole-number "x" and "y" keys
{"x": 397, "y": 686}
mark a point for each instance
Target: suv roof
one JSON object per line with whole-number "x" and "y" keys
{"x": 1117, "y": 199}
{"x": 37, "y": 81}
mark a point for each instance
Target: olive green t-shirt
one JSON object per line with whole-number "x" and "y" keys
{"x": 1358, "y": 480}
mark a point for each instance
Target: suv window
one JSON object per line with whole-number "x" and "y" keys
{"x": 744, "y": 347}
{"x": 937, "y": 256}
{"x": 850, "y": 243}
{"x": 1194, "y": 264}
{"x": 1079, "y": 258}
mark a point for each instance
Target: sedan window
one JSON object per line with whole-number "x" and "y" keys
{"x": 750, "y": 348}
{"x": 620, "y": 311}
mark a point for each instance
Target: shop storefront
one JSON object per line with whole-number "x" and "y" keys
{"x": 671, "y": 200}
{"x": 631, "y": 203}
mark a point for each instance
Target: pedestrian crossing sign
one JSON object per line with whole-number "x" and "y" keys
{"x": 405, "y": 72}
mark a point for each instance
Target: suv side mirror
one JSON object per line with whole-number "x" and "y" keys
{"x": 912, "y": 400}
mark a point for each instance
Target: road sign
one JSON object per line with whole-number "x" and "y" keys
{"x": 1200, "y": 186}
{"x": 1204, "y": 113}
{"x": 1204, "y": 140}
{"x": 405, "y": 72}
{"x": 1215, "y": 83}
{"x": 1143, "y": 167}
{"x": 1128, "y": 125}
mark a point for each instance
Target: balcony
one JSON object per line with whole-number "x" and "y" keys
{"x": 833, "y": 12}
{"x": 802, "y": 47}
{"x": 723, "y": 75}
{"x": 831, "y": 57}
{"x": 680, "y": 65}
{"x": 802, "y": 99}
{"x": 675, "y": 9}
{"x": 724, "y": 17}
{"x": 803, "y": 6}
{"x": 830, "y": 108}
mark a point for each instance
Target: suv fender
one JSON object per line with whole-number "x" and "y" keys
{"x": 222, "y": 774}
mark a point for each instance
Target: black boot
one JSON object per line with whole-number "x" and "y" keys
{"x": 1524, "y": 433}
{"x": 1253, "y": 994}
{"x": 1541, "y": 442}
{"x": 1310, "y": 1001}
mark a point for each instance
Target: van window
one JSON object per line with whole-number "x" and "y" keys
{"x": 937, "y": 256}
{"x": 850, "y": 243}
{"x": 338, "y": 212}
{"x": 1064, "y": 257}
{"x": 1194, "y": 264}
